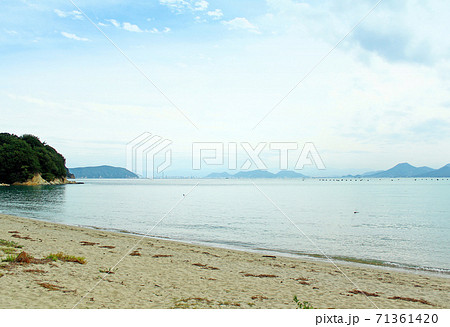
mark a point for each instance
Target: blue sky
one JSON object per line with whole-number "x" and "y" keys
{"x": 381, "y": 97}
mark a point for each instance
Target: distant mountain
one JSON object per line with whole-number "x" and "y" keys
{"x": 258, "y": 174}
{"x": 219, "y": 175}
{"x": 289, "y": 174}
{"x": 441, "y": 172}
{"x": 102, "y": 172}
{"x": 369, "y": 173}
{"x": 254, "y": 174}
{"x": 402, "y": 170}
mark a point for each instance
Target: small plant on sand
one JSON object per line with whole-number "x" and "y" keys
{"x": 302, "y": 305}
{"x": 9, "y": 258}
{"x": 9, "y": 250}
{"x": 67, "y": 258}
{"x": 10, "y": 244}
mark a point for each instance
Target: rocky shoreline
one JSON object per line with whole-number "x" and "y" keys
{"x": 38, "y": 180}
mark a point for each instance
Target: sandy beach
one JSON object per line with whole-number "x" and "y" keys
{"x": 167, "y": 274}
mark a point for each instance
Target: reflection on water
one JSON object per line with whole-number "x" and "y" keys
{"x": 30, "y": 201}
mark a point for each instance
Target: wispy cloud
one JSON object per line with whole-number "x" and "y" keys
{"x": 114, "y": 22}
{"x": 11, "y": 32}
{"x": 131, "y": 27}
{"x": 393, "y": 45}
{"x": 75, "y": 14}
{"x": 240, "y": 23}
{"x": 201, "y": 5}
{"x": 74, "y": 36}
{"x": 181, "y": 5}
{"x": 125, "y": 26}
{"x": 215, "y": 14}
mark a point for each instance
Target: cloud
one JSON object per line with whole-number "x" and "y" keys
{"x": 114, "y": 22}
{"x": 201, "y": 5}
{"x": 125, "y": 26}
{"x": 240, "y": 23}
{"x": 75, "y": 14}
{"x": 176, "y": 5}
{"x": 215, "y": 14}
{"x": 11, "y": 32}
{"x": 131, "y": 27}
{"x": 431, "y": 129}
{"x": 154, "y": 30}
{"x": 73, "y": 37}
{"x": 393, "y": 46}
{"x": 181, "y": 5}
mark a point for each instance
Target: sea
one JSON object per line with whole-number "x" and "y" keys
{"x": 402, "y": 223}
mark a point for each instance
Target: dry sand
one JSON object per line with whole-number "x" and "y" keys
{"x": 169, "y": 274}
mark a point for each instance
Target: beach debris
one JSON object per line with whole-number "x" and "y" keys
{"x": 192, "y": 302}
{"x": 50, "y": 287}
{"x": 195, "y": 302}
{"x": 53, "y": 287}
{"x": 22, "y": 237}
{"x": 23, "y": 257}
{"x": 409, "y": 299}
{"x": 135, "y": 253}
{"x": 228, "y": 303}
{"x": 269, "y": 256}
{"x": 205, "y": 266}
{"x": 259, "y": 297}
{"x": 162, "y": 256}
{"x": 260, "y": 275}
{"x": 106, "y": 271}
{"x": 66, "y": 258}
{"x": 13, "y": 232}
{"x": 86, "y": 243}
{"x": 107, "y": 247}
{"x": 214, "y": 255}
{"x": 363, "y": 292}
{"x": 301, "y": 280}
{"x": 35, "y": 271}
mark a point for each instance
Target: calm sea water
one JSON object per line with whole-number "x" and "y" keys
{"x": 402, "y": 222}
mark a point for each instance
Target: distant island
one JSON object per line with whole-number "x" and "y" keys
{"x": 405, "y": 170}
{"x": 102, "y": 172}
{"x": 258, "y": 174}
{"x": 402, "y": 170}
{"x": 25, "y": 160}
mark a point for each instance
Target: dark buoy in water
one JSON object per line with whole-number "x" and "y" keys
{"x": 355, "y": 212}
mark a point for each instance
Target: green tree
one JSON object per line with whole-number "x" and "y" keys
{"x": 22, "y": 157}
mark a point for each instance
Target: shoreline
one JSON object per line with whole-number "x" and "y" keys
{"x": 173, "y": 274}
{"x": 359, "y": 262}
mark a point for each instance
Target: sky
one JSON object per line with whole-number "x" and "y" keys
{"x": 87, "y": 77}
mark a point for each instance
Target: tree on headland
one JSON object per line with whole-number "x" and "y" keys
{"x": 23, "y": 157}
